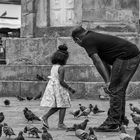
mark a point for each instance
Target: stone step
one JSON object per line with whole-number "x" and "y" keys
{"x": 38, "y": 51}
{"x": 79, "y": 73}
{"x": 85, "y": 90}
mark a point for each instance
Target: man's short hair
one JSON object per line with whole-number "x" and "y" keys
{"x": 77, "y": 31}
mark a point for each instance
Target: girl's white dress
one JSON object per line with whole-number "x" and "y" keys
{"x": 55, "y": 95}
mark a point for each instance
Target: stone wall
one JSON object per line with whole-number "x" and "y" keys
{"x": 110, "y": 15}
{"x": 37, "y": 51}
{"x": 29, "y": 51}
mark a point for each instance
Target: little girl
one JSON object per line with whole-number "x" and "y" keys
{"x": 56, "y": 95}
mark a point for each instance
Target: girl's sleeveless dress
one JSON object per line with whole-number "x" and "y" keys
{"x": 55, "y": 95}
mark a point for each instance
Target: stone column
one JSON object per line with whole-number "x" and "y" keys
{"x": 41, "y": 15}
{"x": 27, "y": 18}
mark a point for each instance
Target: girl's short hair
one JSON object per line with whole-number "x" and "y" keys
{"x": 60, "y": 56}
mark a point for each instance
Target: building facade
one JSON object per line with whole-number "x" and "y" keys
{"x": 40, "y": 16}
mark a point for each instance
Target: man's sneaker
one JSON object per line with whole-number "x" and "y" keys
{"x": 125, "y": 121}
{"x": 107, "y": 128}
{"x": 62, "y": 126}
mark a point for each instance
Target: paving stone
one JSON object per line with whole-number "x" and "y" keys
{"x": 15, "y": 118}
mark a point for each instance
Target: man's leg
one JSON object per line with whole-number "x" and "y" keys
{"x": 122, "y": 72}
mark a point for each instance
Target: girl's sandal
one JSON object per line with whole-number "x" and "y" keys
{"x": 44, "y": 123}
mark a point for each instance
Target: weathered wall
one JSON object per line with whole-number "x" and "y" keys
{"x": 37, "y": 51}
{"x": 111, "y": 11}
{"x": 107, "y": 15}
{"x": 29, "y": 50}
{"x": 27, "y": 18}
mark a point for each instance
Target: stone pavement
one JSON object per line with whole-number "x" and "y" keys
{"x": 14, "y": 117}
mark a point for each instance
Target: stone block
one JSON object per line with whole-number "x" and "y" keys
{"x": 9, "y": 88}
{"x": 31, "y": 51}
{"x": 32, "y": 88}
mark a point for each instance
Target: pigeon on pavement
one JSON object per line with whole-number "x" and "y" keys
{"x": 32, "y": 131}
{"x": 82, "y": 126}
{"x": 2, "y": 117}
{"x": 38, "y": 96}
{"x": 86, "y": 112}
{"x": 81, "y": 134}
{"x": 46, "y": 135}
{"x": 124, "y": 135}
{"x": 20, "y": 136}
{"x": 75, "y": 113}
{"x": 97, "y": 110}
{"x": 29, "y": 115}
{"x": 134, "y": 108}
{"x": 7, "y": 102}
{"x": 82, "y": 108}
{"x": 8, "y": 131}
{"x": 135, "y": 119}
{"x": 29, "y": 98}
{"x": 91, "y": 134}
{"x": 20, "y": 98}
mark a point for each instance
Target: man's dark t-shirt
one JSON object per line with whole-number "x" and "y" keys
{"x": 108, "y": 47}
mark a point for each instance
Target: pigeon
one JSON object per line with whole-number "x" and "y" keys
{"x": 1, "y": 125}
{"x": 2, "y": 117}
{"x": 124, "y": 135}
{"x": 20, "y": 98}
{"x": 137, "y": 136}
{"x": 40, "y": 78}
{"x": 32, "y": 131}
{"x": 7, "y": 102}
{"x": 82, "y": 126}
{"x": 81, "y": 134}
{"x": 82, "y": 108}
{"x": 134, "y": 108}
{"x": 20, "y": 136}
{"x": 86, "y": 112}
{"x": 135, "y": 119}
{"x": 125, "y": 121}
{"x": 91, "y": 134}
{"x": 8, "y": 131}
{"x": 46, "y": 135}
{"x": 75, "y": 113}
{"x": 29, "y": 98}
{"x": 97, "y": 110}
{"x": 38, "y": 96}
{"x": 29, "y": 115}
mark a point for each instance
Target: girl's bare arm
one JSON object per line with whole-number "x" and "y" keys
{"x": 61, "y": 79}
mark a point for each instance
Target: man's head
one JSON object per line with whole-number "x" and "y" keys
{"x": 77, "y": 34}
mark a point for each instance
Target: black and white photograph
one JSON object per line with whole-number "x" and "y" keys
{"x": 69, "y": 69}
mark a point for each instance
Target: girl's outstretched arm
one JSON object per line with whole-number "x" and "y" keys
{"x": 61, "y": 72}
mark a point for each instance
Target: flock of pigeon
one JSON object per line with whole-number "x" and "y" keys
{"x": 29, "y": 116}
{"x": 80, "y": 129}
{"x": 84, "y": 111}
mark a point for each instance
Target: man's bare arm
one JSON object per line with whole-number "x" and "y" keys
{"x": 108, "y": 67}
{"x": 101, "y": 67}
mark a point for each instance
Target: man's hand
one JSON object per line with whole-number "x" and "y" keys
{"x": 106, "y": 90}
{"x": 107, "y": 84}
